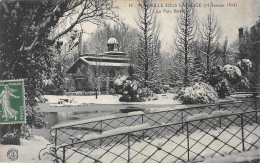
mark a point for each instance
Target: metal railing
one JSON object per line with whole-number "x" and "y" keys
{"x": 189, "y": 141}
{"x": 74, "y": 133}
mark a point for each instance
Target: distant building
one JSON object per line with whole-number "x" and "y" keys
{"x": 251, "y": 51}
{"x": 91, "y": 70}
{"x": 255, "y": 31}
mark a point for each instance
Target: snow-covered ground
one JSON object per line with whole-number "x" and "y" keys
{"x": 150, "y": 148}
{"x": 111, "y": 99}
{"x": 27, "y": 152}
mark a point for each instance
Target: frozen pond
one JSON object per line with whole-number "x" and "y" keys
{"x": 56, "y": 115}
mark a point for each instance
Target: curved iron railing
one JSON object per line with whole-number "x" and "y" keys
{"x": 73, "y": 133}
{"x": 203, "y": 138}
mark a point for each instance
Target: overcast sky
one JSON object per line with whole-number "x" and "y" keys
{"x": 244, "y": 14}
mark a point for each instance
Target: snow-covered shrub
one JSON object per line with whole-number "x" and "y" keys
{"x": 199, "y": 93}
{"x": 34, "y": 118}
{"x": 130, "y": 91}
{"x": 244, "y": 65}
{"x": 158, "y": 89}
{"x": 166, "y": 88}
{"x": 232, "y": 73}
{"x": 219, "y": 82}
{"x": 248, "y": 77}
{"x": 119, "y": 83}
{"x": 26, "y": 132}
{"x": 244, "y": 84}
{"x": 223, "y": 88}
{"x": 145, "y": 92}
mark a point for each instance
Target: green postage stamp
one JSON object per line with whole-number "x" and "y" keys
{"x": 12, "y": 108}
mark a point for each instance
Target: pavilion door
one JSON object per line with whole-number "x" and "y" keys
{"x": 82, "y": 84}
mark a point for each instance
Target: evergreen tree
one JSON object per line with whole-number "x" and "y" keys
{"x": 186, "y": 33}
{"x": 148, "y": 57}
{"x": 210, "y": 33}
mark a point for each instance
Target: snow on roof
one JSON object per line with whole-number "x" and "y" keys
{"x": 114, "y": 64}
{"x": 114, "y": 53}
{"x": 112, "y": 40}
{"x": 105, "y": 57}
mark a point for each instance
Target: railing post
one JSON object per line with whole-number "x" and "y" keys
{"x": 188, "y": 143}
{"x": 100, "y": 141}
{"x": 63, "y": 157}
{"x": 220, "y": 122}
{"x": 128, "y": 146}
{"x": 55, "y": 139}
{"x": 101, "y": 129}
{"x": 142, "y": 117}
{"x": 182, "y": 121}
{"x": 242, "y": 130}
{"x": 256, "y": 117}
{"x": 255, "y": 101}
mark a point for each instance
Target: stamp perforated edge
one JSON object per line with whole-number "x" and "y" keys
{"x": 18, "y": 122}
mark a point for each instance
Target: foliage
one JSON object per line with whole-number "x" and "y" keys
{"x": 186, "y": 33}
{"x": 217, "y": 80}
{"x": 244, "y": 65}
{"x": 243, "y": 85}
{"x": 210, "y": 33}
{"x": 145, "y": 93}
{"x": 232, "y": 73}
{"x": 230, "y": 77}
{"x": 26, "y": 132}
{"x": 223, "y": 88}
{"x": 119, "y": 82}
{"x": 199, "y": 93}
{"x": 58, "y": 81}
{"x": 159, "y": 88}
{"x": 125, "y": 35}
{"x": 28, "y": 34}
{"x": 149, "y": 45}
{"x": 130, "y": 91}
{"x": 34, "y": 118}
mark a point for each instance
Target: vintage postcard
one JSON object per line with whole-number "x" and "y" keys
{"x": 129, "y": 81}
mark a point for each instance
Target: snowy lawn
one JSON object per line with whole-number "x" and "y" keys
{"x": 27, "y": 152}
{"x": 111, "y": 99}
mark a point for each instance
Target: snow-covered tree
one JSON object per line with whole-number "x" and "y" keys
{"x": 29, "y": 31}
{"x": 186, "y": 33}
{"x": 148, "y": 48}
{"x": 210, "y": 32}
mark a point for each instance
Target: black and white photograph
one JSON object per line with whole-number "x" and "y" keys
{"x": 130, "y": 81}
